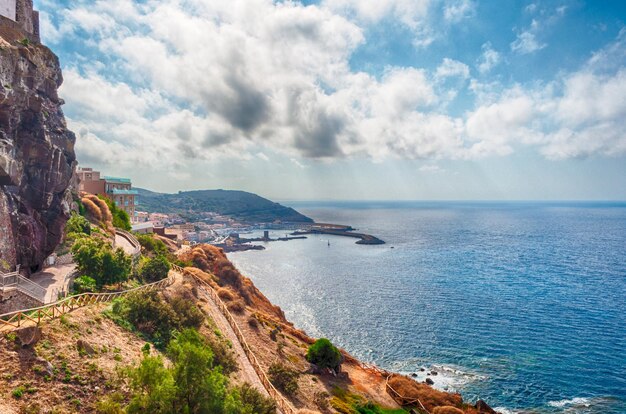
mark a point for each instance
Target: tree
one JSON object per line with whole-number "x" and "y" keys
{"x": 324, "y": 354}
{"x": 201, "y": 388}
{"x": 154, "y": 388}
{"x": 85, "y": 284}
{"x": 155, "y": 269}
{"x": 95, "y": 258}
{"x": 78, "y": 224}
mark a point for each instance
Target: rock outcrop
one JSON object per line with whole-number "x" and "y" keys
{"x": 37, "y": 160}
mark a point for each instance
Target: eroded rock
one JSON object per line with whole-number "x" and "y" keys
{"x": 37, "y": 159}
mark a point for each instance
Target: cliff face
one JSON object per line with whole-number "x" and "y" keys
{"x": 37, "y": 159}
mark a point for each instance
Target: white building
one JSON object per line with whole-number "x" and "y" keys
{"x": 7, "y": 9}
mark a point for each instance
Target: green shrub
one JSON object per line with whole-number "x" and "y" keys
{"x": 95, "y": 258}
{"x": 121, "y": 220}
{"x": 253, "y": 401}
{"x": 324, "y": 354}
{"x": 189, "y": 316}
{"x": 111, "y": 404}
{"x": 283, "y": 378}
{"x": 18, "y": 392}
{"x": 155, "y": 269}
{"x": 157, "y": 319}
{"x": 153, "y": 386}
{"x": 78, "y": 224}
{"x": 149, "y": 314}
{"x": 85, "y": 284}
{"x": 153, "y": 245}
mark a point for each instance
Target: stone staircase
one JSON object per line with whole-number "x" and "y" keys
{"x": 15, "y": 281}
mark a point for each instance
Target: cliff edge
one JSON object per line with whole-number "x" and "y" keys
{"x": 37, "y": 160}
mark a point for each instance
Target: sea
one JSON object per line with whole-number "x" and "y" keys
{"x": 520, "y": 304}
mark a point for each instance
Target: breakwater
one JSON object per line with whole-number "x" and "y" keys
{"x": 364, "y": 238}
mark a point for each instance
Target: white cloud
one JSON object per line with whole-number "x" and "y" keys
{"x": 526, "y": 42}
{"x": 489, "y": 59}
{"x": 431, "y": 168}
{"x": 450, "y": 67}
{"x": 242, "y": 79}
{"x": 458, "y": 10}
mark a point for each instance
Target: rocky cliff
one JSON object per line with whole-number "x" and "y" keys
{"x": 37, "y": 159}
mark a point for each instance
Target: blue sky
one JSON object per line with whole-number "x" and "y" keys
{"x": 349, "y": 99}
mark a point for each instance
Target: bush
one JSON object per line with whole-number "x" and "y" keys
{"x": 120, "y": 218}
{"x": 225, "y": 294}
{"x": 223, "y": 354}
{"x": 324, "y": 354}
{"x": 283, "y": 378}
{"x": 156, "y": 318}
{"x": 78, "y": 224}
{"x": 253, "y": 401}
{"x": 188, "y": 314}
{"x": 155, "y": 269}
{"x": 237, "y": 306}
{"x": 193, "y": 384}
{"x": 95, "y": 258}
{"x": 153, "y": 245}
{"x": 150, "y": 315}
{"x": 85, "y": 284}
{"x": 153, "y": 386}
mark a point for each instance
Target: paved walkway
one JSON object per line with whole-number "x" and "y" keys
{"x": 123, "y": 242}
{"x": 53, "y": 279}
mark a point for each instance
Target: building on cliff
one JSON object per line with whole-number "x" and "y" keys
{"x": 117, "y": 189}
{"x": 19, "y": 14}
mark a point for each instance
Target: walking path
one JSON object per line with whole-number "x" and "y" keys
{"x": 121, "y": 241}
{"x": 54, "y": 279}
{"x": 246, "y": 371}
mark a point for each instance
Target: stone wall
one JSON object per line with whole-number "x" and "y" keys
{"x": 20, "y": 14}
{"x": 14, "y": 300}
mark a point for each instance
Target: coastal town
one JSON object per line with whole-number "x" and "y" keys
{"x": 218, "y": 229}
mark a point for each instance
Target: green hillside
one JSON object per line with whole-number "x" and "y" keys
{"x": 240, "y": 205}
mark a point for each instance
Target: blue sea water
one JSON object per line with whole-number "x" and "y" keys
{"x": 520, "y": 304}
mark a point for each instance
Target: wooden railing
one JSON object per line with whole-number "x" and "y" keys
{"x": 14, "y": 320}
{"x": 281, "y": 402}
{"x": 402, "y": 400}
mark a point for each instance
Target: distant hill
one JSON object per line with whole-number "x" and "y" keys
{"x": 240, "y": 205}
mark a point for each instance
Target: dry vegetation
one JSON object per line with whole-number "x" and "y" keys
{"x": 274, "y": 339}
{"x": 57, "y": 376}
{"x": 97, "y": 211}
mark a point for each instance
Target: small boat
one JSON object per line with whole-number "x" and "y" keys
{"x": 328, "y": 243}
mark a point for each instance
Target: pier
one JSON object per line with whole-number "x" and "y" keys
{"x": 338, "y": 230}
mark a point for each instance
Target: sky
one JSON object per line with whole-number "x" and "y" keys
{"x": 349, "y": 99}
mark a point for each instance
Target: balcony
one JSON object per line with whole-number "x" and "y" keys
{"x": 117, "y": 191}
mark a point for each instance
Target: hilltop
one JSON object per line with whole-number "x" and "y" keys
{"x": 239, "y": 205}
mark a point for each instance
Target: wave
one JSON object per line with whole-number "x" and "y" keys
{"x": 578, "y": 401}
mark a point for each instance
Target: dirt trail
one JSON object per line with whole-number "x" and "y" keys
{"x": 246, "y": 371}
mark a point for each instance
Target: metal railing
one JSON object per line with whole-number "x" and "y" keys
{"x": 281, "y": 402}
{"x": 26, "y": 286}
{"x": 14, "y": 320}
